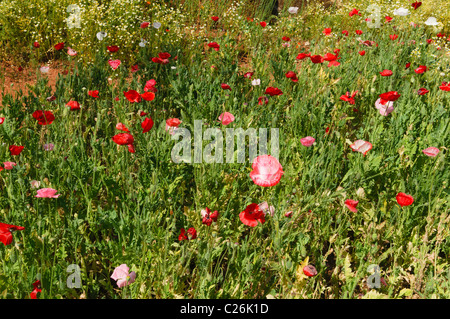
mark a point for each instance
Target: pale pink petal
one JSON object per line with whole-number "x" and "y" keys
{"x": 431, "y": 151}
{"x": 307, "y": 141}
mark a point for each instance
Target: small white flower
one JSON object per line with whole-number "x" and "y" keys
{"x": 431, "y": 21}
{"x": 293, "y": 10}
{"x": 173, "y": 67}
{"x": 256, "y": 82}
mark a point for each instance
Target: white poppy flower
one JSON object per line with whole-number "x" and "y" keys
{"x": 431, "y": 21}
{"x": 101, "y": 35}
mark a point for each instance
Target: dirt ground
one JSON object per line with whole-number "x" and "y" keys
{"x": 14, "y": 78}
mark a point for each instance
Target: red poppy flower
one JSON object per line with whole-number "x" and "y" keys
{"x": 74, "y": 105}
{"x": 291, "y": 75}
{"x": 93, "y": 93}
{"x": 389, "y": 96}
{"x": 225, "y": 86}
{"x": 123, "y": 139}
{"x": 332, "y": 58}
{"x": 150, "y": 86}
{"x": 6, "y": 231}
{"x": 248, "y": 75}
{"x": 429, "y": 41}
{"x": 416, "y": 4}
{"x": 144, "y": 25}
{"x": 421, "y": 69}
{"x": 214, "y": 45}
{"x": 422, "y": 91}
{"x": 131, "y": 148}
{"x": 36, "y": 44}
{"x": 44, "y": 117}
{"x": 326, "y": 31}
{"x": 407, "y": 65}
{"x": 345, "y": 32}
{"x": 122, "y": 127}
{"x": 37, "y": 288}
{"x": 302, "y": 56}
{"x": 147, "y": 124}
{"x": 2, "y": 119}
{"x": 316, "y": 58}
{"x": 263, "y": 100}
{"x": 208, "y": 217}
{"x": 263, "y": 24}
{"x": 440, "y": 35}
{"x": 59, "y": 46}
{"x": 361, "y": 53}
{"x": 353, "y": 12}
{"x": 393, "y": 36}
{"x": 252, "y": 215}
{"x": 386, "y": 73}
{"x": 445, "y": 86}
{"x": 349, "y": 98}
{"x": 190, "y": 234}
{"x": 134, "y": 68}
{"x": 310, "y": 271}
{"x": 351, "y": 204}
{"x": 15, "y": 150}
{"x": 285, "y": 38}
{"x": 404, "y": 199}
{"x": 148, "y": 96}
{"x": 358, "y": 32}
{"x": 173, "y": 122}
{"x": 215, "y": 19}
{"x": 132, "y": 96}
{"x": 273, "y": 91}
{"x": 160, "y": 61}
{"x": 388, "y": 19}
{"x": 112, "y": 48}
{"x": 142, "y": 113}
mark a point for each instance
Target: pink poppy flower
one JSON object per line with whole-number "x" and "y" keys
{"x": 47, "y": 193}
{"x": 384, "y": 109}
{"x": 307, "y": 141}
{"x": 266, "y": 209}
{"x": 361, "y": 146}
{"x": 35, "y": 184}
{"x": 49, "y": 147}
{"x": 114, "y": 63}
{"x": 226, "y": 118}
{"x": 431, "y": 151}
{"x": 172, "y": 124}
{"x": 351, "y": 204}
{"x": 9, "y": 165}
{"x": 71, "y": 52}
{"x": 123, "y": 276}
{"x": 267, "y": 171}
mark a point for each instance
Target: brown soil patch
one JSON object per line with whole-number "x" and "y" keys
{"x": 14, "y": 78}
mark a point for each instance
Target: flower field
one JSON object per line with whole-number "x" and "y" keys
{"x": 123, "y": 180}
